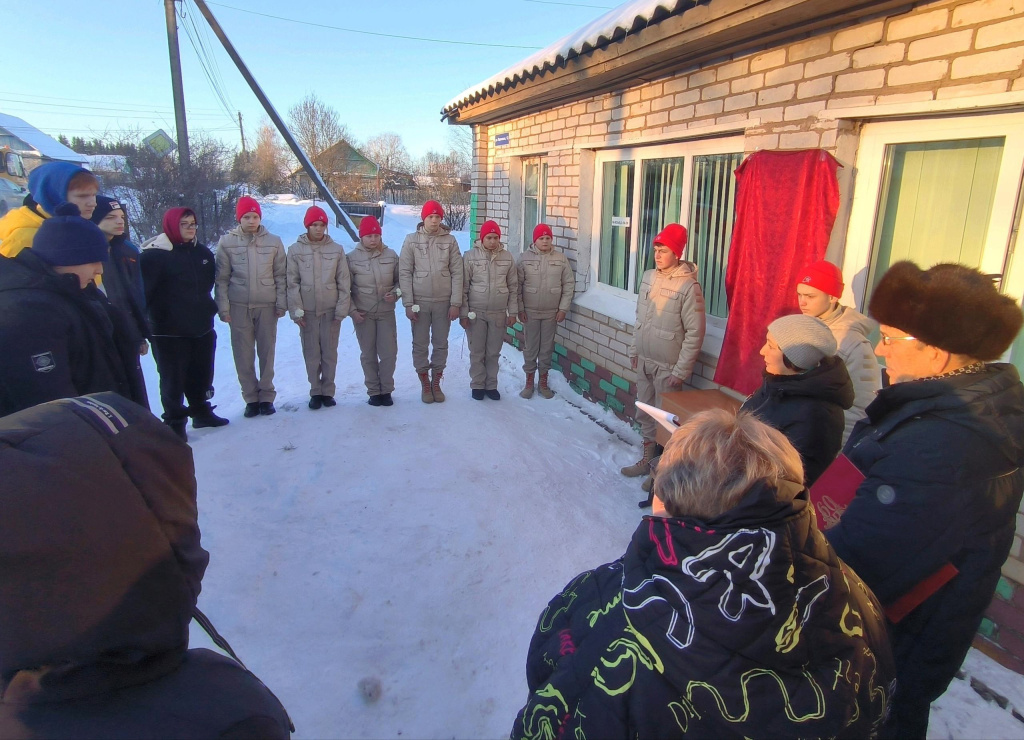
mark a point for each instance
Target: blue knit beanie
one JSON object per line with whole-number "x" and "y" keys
{"x": 67, "y": 239}
{"x": 48, "y": 184}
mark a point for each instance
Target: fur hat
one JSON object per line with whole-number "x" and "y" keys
{"x": 314, "y": 214}
{"x": 247, "y": 204}
{"x": 949, "y": 306}
{"x": 823, "y": 276}
{"x": 490, "y": 227}
{"x": 431, "y": 208}
{"x": 67, "y": 239}
{"x": 805, "y": 340}
{"x": 368, "y": 225}
{"x": 674, "y": 237}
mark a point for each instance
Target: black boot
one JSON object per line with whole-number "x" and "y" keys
{"x": 267, "y": 408}
{"x": 315, "y": 402}
{"x": 205, "y": 417}
{"x": 492, "y": 393}
{"x": 178, "y": 427}
{"x": 375, "y": 400}
{"x": 478, "y": 394}
{"x": 385, "y": 399}
{"x": 329, "y": 401}
{"x": 251, "y": 410}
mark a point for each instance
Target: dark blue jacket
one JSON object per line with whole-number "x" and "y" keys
{"x": 178, "y": 279}
{"x": 943, "y": 464}
{"x": 744, "y": 626}
{"x": 122, "y": 280}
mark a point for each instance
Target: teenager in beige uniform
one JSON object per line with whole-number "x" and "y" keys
{"x": 374, "y": 269}
{"x": 668, "y": 332}
{"x": 546, "y": 286}
{"x": 251, "y": 293}
{"x": 430, "y": 277}
{"x": 490, "y": 304}
{"x": 318, "y": 300}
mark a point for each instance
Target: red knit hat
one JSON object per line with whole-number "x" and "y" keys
{"x": 542, "y": 230}
{"x": 824, "y": 276}
{"x": 247, "y": 204}
{"x": 673, "y": 236}
{"x": 489, "y": 227}
{"x": 368, "y": 225}
{"x": 431, "y": 208}
{"x": 314, "y": 214}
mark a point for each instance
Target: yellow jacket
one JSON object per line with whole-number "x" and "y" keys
{"x": 17, "y": 229}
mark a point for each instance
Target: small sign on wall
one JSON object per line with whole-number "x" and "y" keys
{"x": 501, "y": 139}
{"x": 620, "y": 221}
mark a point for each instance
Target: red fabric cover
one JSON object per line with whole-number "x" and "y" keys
{"x": 172, "y": 223}
{"x": 785, "y": 207}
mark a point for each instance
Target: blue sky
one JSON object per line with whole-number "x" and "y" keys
{"x": 92, "y": 68}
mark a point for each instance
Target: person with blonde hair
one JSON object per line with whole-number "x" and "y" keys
{"x": 731, "y": 616}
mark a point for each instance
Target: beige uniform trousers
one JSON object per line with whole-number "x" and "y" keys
{"x": 254, "y": 334}
{"x": 320, "y": 351}
{"x": 378, "y": 351}
{"x": 540, "y": 344}
{"x": 431, "y": 326}
{"x": 651, "y": 379}
{"x": 486, "y": 334}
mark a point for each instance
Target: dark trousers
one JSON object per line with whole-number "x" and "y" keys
{"x": 185, "y": 365}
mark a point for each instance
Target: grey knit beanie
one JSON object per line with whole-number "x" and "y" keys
{"x": 805, "y": 340}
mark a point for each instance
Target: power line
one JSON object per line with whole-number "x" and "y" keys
{"x": 374, "y": 33}
{"x": 145, "y": 106}
{"x": 151, "y": 112}
{"x": 204, "y": 59}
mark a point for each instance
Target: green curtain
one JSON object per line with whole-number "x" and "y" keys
{"x": 616, "y": 202}
{"x": 661, "y": 197}
{"x": 712, "y": 215}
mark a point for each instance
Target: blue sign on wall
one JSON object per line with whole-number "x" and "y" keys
{"x": 501, "y": 140}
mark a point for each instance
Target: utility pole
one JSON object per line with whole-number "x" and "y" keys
{"x": 342, "y": 217}
{"x": 241, "y": 130}
{"x": 184, "y": 156}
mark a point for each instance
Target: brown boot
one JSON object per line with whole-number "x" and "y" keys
{"x": 542, "y": 386}
{"x": 643, "y": 465}
{"x": 426, "y": 393}
{"x": 527, "y": 392}
{"x": 435, "y": 385}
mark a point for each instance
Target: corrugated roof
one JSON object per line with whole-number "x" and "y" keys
{"x": 613, "y": 26}
{"x": 46, "y": 145}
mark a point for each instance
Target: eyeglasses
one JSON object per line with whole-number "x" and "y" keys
{"x": 187, "y": 224}
{"x": 887, "y": 340}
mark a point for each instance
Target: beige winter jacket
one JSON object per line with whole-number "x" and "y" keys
{"x": 251, "y": 270}
{"x": 374, "y": 275}
{"x": 851, "y": 329}
{"x": 491, "y": 284}
{"x": 669, "y": 327}
{"x": 318, "y": 278}
{"x": 546, "y": 283}
{"x": 430, "y": 268}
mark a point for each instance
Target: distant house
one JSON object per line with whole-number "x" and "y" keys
{"x": 345, "y": 170}
{"x": 33, "y": 145}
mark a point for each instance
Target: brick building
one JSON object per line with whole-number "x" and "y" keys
{"x": 641, "y": 118}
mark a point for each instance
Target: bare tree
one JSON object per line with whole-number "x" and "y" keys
{"x": 394, "y": 164}
{"x": 317, "y": 127}
{"x": 445, "y": 178}
{"x": 266, "y": 166}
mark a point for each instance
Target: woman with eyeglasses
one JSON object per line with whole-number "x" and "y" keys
{"x": 178, "y": 274}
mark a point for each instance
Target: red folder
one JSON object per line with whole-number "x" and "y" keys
{"x": 834, "y": 490}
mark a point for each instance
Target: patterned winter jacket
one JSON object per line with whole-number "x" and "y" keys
{"x": 490, "y": 282}
{"x": 430, "y": 268}
{"x": 546, "y": 283}
{"x": 251, "y": 270}
{"x": 670, "y": 322}
{"x": 318, "y": 278}
{"x": 748, "y": 625}
{"x": 374, "y": 275}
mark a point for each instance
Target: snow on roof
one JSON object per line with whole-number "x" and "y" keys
{"x": 629, "y": 18}
{"x": 45, "y": 145}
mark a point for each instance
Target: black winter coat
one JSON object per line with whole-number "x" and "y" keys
{"x": 808, "y": 409}
{"x": 179, "y": 280}
{"x": 96, "y": 645}
{"x": 744, "y": 626}
{"x": 59, "y": 340}
{"x": 943, "y": 464}
{"x": 122, "y": 279}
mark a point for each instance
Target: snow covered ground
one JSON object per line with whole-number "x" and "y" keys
{"x": 416, "y": 545}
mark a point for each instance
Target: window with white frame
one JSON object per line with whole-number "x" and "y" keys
{"x": 535, "y": 175}
{"x": 638, "y": 191}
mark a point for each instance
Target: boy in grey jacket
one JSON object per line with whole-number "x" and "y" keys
{"x": 251, "y": 294}
{"x": 489, "y": 307}
{"x": 668, "y": 332}
{"x": 318, "y": 300}
{"x": 430, "y": 278}
{"x": 546, "y": 287}
{"x": 374, "y": 269}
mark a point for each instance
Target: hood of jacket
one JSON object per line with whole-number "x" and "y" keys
{"x": 442, "y": 229}
{"x": 171, "y": 223}
{"x": 19, "y": 218}
{"x": 479, "y": 245}
{"x": 845, "y": 320}
{"x": 100, "y": 478}
{"x": 160, "y": 241}
{"x": 326, "y": 241}
{"x": 237, "y": 232}
{"x": 756, "y": 587}
{"x": 829, "y": 382}
{"x": 989, "y": 404}
{"x": 48, "y": 184}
